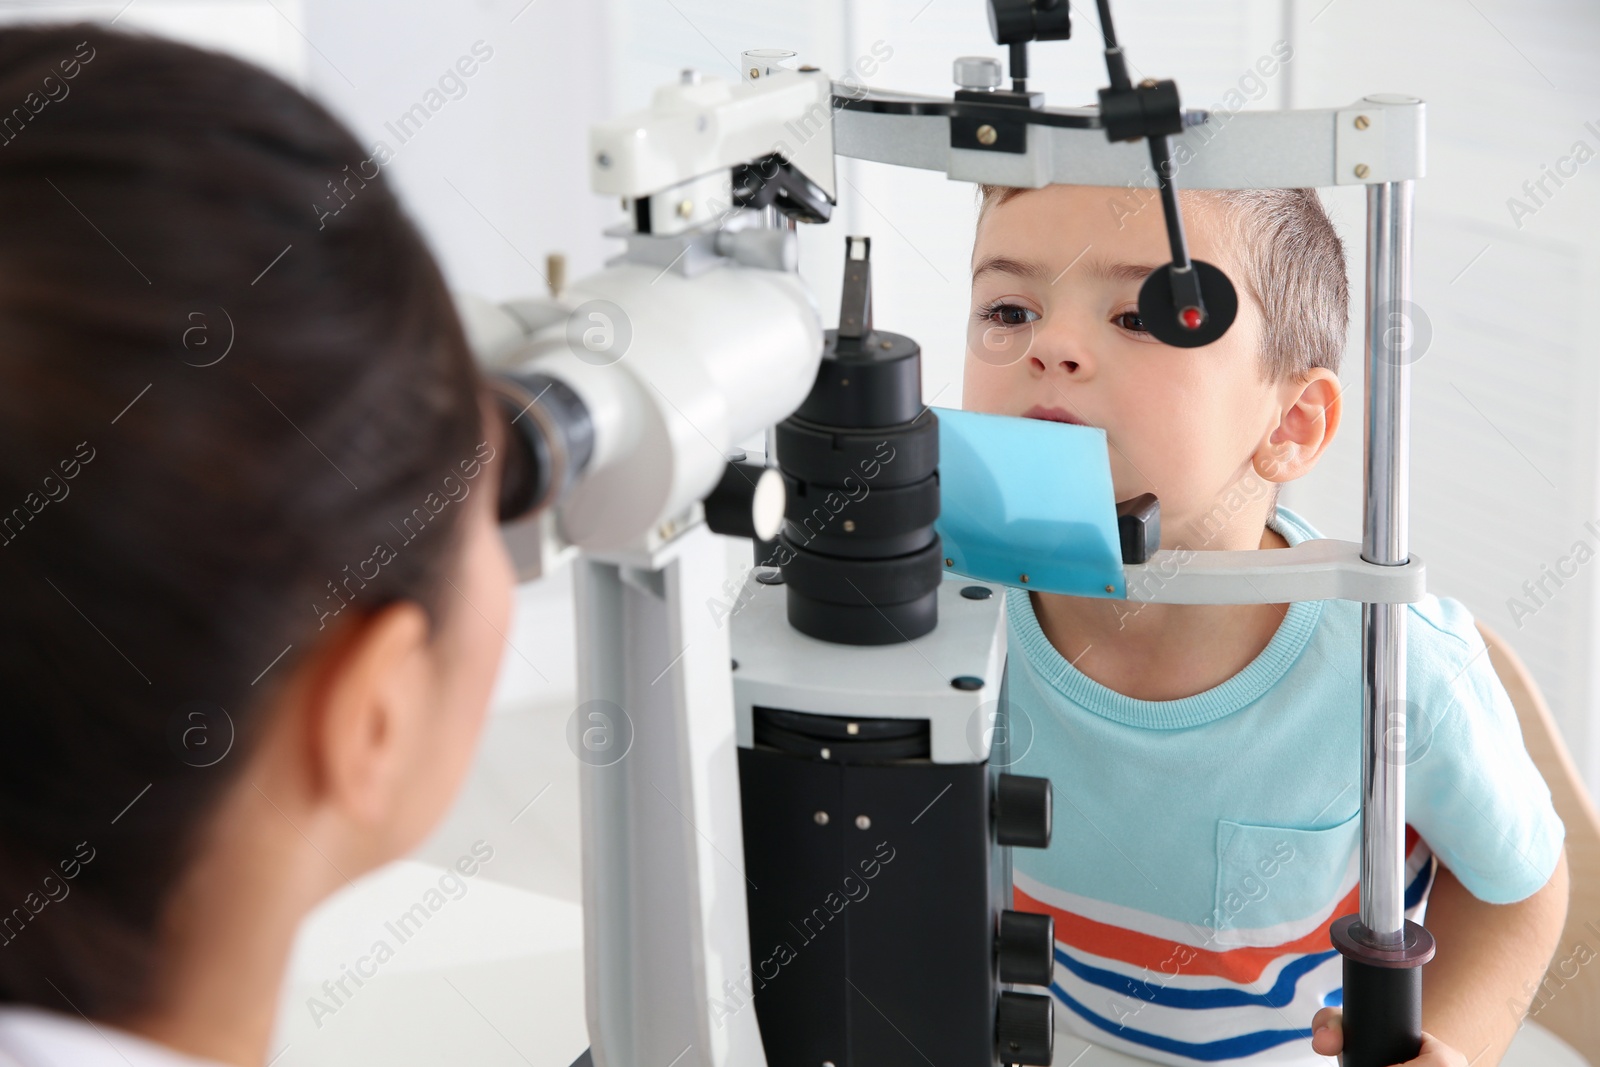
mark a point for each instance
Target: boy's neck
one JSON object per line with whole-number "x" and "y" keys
{"x": 1164, "y": 651}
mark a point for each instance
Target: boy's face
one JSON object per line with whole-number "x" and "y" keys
{"x": 1054, "y": 333}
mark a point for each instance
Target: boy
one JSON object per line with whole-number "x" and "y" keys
{"x": 1206, "y": 759}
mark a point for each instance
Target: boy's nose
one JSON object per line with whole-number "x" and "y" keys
{"x": 1068, "y": 365}
{"x": 1062, "y": 348}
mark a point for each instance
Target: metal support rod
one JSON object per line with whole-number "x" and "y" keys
{"x": 1116, "y": 62}
{"x": 1385, "y": 536}
{"x": 1177, "y": 243}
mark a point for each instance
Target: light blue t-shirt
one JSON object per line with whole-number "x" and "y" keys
{"x": 1202, "y": 846}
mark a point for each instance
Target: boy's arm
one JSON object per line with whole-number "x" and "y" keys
{"x": 1490, "y": 960}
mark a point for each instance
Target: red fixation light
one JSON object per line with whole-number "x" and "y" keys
{"x": 1190, "y": 317}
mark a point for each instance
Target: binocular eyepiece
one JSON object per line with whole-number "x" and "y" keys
{"x": 549, "y": 441}
{"x": 550, "y": 444}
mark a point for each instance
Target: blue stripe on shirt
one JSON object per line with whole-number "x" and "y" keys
{"x": 1227, "y": 1048}
{"x": 1281, "y": 993}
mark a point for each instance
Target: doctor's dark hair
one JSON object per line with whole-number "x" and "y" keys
{"x": 229, "y": 369}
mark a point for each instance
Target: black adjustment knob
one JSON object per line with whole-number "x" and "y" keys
{"x": 1022, "y": 811}
{"x": 1026, "y": 948}
{"x": 1139, "y": 527}
{"x": 1025, "y": 1029}
{"x": 747, "y": 502}
{"x": 1016, "y": 21}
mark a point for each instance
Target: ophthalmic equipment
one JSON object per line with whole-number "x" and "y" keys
{"x": 796, "y": 821}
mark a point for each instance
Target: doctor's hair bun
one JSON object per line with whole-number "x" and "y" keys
{"x": 229, "y": 367}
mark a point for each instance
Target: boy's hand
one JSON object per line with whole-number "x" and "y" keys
{"x": 1327, "y": 1039}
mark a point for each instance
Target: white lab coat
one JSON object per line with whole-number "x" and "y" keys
{"x": 33, "y": 1037}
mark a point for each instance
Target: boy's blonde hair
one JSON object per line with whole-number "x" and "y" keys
{"x": 1293, "y": 266}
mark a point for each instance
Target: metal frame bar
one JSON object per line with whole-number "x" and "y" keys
{"x": 666, "y": 931}
{"x": 1320, "y": 569}
{"x": 1385, "y": 541}
{"x": 1313, "y": 148}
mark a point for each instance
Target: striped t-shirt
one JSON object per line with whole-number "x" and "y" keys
{"x": 1202, "y": 846}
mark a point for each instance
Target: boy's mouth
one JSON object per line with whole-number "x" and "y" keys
{"x": 1039, "y": 411}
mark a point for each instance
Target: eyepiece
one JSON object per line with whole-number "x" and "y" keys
{"x": 549, "y": 441}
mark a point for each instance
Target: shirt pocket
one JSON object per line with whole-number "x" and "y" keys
{"x": 1276, "y": 884}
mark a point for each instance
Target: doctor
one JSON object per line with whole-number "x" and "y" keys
{"x": 253, "y": 588}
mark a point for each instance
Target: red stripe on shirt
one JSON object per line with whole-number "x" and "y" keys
{"x": 1163, "y": 956}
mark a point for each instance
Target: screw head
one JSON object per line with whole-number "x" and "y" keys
{"x": 849, "y": 526}
{"x": 862, "y": 822}
{"x": 685, "y": 208}
{"x": 948, "y": 562}
{"x": 820, "y": 818}
{"x": 1024, "y": 579}
{"x": 1362, "y": 170}
{"x": 1362, "y": 122}
{"x": 852, "y": 728}
{"x": 987, "y": 134}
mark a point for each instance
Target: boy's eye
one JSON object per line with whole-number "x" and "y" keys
{"x": 1007, "y": 314}
{"x": 1130, "y": 321}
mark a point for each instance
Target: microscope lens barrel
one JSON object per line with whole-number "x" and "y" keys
{"x": 549, "y": 441}
{"x": 860, "y": 460}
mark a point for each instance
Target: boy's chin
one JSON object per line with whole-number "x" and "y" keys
{"x": 1122, "y": 490}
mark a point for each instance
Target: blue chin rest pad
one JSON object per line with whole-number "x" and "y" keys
{"x": 1028, "y": 497}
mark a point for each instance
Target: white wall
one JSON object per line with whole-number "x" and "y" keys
{"x": 498, "y": 177}
{"x": 1506, "y": 395}
{"x": 251, "y": 29}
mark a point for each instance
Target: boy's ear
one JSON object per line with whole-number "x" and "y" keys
{"x": 1308, "y": 418}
